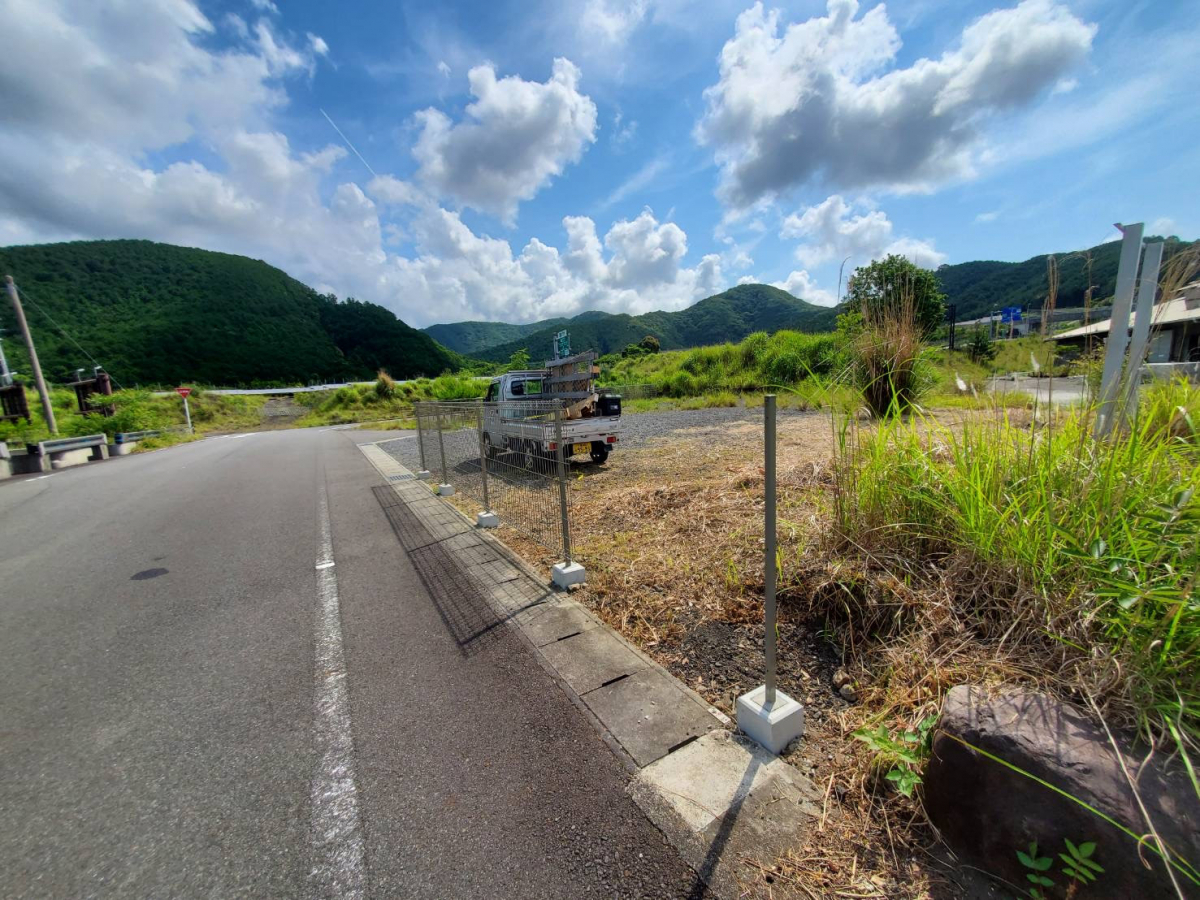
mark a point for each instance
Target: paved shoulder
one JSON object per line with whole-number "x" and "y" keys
{"x": 478, "y": 776}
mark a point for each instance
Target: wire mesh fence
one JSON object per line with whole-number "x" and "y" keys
{"x": 506, "y": 456}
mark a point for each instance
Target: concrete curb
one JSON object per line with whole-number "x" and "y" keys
{"x": 715, "y": 796}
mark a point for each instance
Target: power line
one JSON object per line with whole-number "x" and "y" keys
{"x": 28, "y": 299}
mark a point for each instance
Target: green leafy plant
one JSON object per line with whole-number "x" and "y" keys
{"x": 1077, "y": 864}
{"x": 904, "y": 753}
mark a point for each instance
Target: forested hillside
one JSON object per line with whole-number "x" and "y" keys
{"x": 980, "y": 287}
{"x": 160, "y": 314}
{"x": 473, "y": 338}
{"x": 728, "y": 316}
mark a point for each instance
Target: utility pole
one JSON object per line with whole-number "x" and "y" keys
{"x": 47, "y": 409}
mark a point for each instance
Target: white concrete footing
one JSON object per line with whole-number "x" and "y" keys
{"x": 774, "y": 726}
{"x": 486, "y": 520}
{"x": 445, "y": 490}
{"x": 566, "y": 574}
{"x": 423, "y": 475}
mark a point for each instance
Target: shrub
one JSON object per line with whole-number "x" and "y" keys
{"x": 385, "y": 387}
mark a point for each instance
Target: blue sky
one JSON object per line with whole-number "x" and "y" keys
{"x": 525, "y": 160}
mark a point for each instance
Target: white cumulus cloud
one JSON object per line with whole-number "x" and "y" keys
{"x": 800, "y": 284}
{"x": 514, "y": 138}
{"x": 104, "y": 145}
{"x": 831, "y": 230}
{"x": 823, "y": 98}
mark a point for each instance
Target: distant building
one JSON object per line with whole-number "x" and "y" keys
{"x": 1174, "y": 334}
{"x": 1031, "y": 321}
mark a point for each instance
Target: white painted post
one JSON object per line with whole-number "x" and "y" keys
{"x": 1118, "y": 329}
{"x": 187, "y": 415}
{"x": 1143, "y": 317}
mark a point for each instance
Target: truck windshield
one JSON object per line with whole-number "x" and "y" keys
{"x": 533, "y": 386}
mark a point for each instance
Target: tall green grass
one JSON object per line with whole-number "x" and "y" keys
{"x": 1080, "y": 556}
{"x": 367, "y": 402}
{"x": 760, "y": 361}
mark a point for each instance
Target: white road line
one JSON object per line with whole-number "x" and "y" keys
{"x": 339, "y": 868}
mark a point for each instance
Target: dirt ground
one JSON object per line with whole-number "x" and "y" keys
{"x": 670, "y": 532}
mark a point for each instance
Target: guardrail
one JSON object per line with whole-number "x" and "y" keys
{"x": 45, "y": 450}
{"x": 62, "y": 445}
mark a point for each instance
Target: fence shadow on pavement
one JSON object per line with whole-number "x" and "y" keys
{"x": 469, "y": 618}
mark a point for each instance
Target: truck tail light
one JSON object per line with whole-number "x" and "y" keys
{"x": 612, "y": 438}
{"x": 553, "y": 445}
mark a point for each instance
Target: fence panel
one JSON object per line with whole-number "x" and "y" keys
{"x": 497, "y": 454}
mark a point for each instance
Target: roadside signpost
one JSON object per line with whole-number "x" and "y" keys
{"x": 187, "y": 413}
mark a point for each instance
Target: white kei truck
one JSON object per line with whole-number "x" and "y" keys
{"x": 591, "y": 423}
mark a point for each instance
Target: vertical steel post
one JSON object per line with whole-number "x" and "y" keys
{"x": 187, "y": 415}
{"x": 420, "y": 436}
{"x": 562, "y": 485}
{"x": 1142, "y": 319}
{"x": 1118, "y": 329}
{"x": 487, "y": 507}
{"x": 769, "y": 542}
{"x": 5, "y": 376}
{"x": 442, "y": 448}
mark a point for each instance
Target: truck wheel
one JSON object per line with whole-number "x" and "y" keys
{"x": 488, "y": 449}
{"x": 599, "y": 454}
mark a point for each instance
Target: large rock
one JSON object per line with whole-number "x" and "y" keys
{"x": 986, "y": 811}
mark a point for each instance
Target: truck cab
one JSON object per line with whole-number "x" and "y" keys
{"x": 527, "y": 384}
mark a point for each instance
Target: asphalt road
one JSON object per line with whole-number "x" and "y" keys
{"x": 166, "y": 727}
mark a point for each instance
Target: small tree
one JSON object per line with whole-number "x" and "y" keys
{"x": 880, "y": 289}
{"x": 980, "y": 346}
{"x": 650, "y": 344}
{"x": 519, "y": 360}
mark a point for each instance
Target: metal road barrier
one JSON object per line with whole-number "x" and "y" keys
{"x": 507, "y": 456}
{"x": 61, "y": 445}
{"x": 97, "y": 443}
{"x": 129, "y": 437}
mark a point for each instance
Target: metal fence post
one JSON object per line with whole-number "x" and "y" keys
{"x": 482, "y": 457}
{"x": 442, "y": 448}
{"x": 420, "y": 437}
{"x": 770, "y": 574}
{"x": 562, "y": 485}
{"x": 769, "y": 715}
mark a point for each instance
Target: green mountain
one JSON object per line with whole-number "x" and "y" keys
{"x": 160, "y": 314}
{"x": 979, "y": 288}
{"x": 472, "y": 338}
{"x": 728, "y": 316}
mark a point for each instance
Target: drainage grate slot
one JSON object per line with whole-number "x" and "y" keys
{"x": 405, "y": 477}
{"x": 565, "y": 636}
{"x": 615, "y": 680}
{"x": 682, "y": 744}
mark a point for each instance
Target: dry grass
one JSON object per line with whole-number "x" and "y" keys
{"x": 671, "y": 536}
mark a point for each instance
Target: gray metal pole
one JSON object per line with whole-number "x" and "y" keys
{"x": 487, "y": 507}
{"x": 43, "y": 392}
{"x": 5, "y": 375}
{"x": 1142, "y": 319}
{"x": 442, "y": 449}
{"x": 562, "y": 486}
{"x": 1118, "y": 329}
{"x": 420, "y": 437}
{"x": 770, "y": 573}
